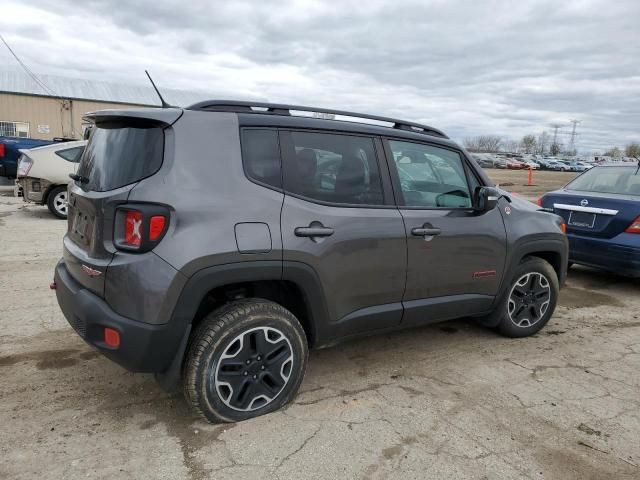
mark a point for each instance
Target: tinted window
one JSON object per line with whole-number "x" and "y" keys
{"x": 116, "y": 156}
{"x": 622, "y": 180}
{"x": 261, "y": 156}
{"x": 430, "y": 176}
{"x": 333, "y": 168}
{"x": 71, "y": 154}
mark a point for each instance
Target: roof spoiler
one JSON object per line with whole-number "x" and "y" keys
{"x": 163, "y": 116}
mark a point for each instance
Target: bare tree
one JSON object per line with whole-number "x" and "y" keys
{"x": 614, "y": 152}
{"x": 483, "y": 143}
{"x": 511, "y": 146}
{"x": 529, "y": 144}
{"x": 543, "y": 142}
{"x": 555, "y": 148}
{"x": 471, "y": 144}
{"x": 632, "y": 150}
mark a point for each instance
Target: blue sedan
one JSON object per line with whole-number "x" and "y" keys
{"x": 601, "y": 208}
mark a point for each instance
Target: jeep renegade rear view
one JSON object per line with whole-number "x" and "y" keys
{"x": 214, "y": 245}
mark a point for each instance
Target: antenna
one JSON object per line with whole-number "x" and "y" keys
{"x": 164, "y": 104}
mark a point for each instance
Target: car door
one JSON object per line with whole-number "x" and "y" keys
{"x": 339, "y": 219}
{"x": 456, "y": 255}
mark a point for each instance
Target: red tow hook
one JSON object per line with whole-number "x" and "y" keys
{"x": 53, "y": 285}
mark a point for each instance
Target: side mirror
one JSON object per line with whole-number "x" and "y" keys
{"x": 485, "y": 198}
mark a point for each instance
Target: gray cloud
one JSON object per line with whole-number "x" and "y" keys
{"x": 467, "y": 67}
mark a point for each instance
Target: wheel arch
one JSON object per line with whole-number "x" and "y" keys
{"x": 293, "y": 285}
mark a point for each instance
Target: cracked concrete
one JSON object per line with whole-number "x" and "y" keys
{"x": 446, "y": 401}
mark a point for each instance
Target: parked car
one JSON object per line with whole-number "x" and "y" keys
{"x": 579, "y": 166}
{"x": 601, "y": 208}
{"x": 531, "y": 164}
{"x": 10, "y": 153}
{"x": 43, "y": 174}
{"x": 558, "y": 166}
{"x": 514, "y": 164}
{"x": 484, "y": 162}
{"x": 223, "y": 240}
{"x": 499, "y": 162}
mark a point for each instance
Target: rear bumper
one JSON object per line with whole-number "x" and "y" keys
{"x": 143, "y": 347}
{"x": 616, "y": 255}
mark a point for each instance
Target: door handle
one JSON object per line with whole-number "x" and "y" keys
{"x": 425, "y": 231}
{"x": 313, "y": 231}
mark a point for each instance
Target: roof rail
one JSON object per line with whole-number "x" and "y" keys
{"x": 282, "y": 109}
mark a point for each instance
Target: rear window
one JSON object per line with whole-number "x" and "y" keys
{"x": 620, "y": 180}
{"x": 118, "y": 155}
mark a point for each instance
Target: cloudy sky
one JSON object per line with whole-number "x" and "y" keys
{"x": 468, "y": 67}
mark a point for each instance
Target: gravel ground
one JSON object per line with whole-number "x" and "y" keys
{"x": 446, "y": 401}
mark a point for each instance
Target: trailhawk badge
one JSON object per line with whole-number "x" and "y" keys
{"x": 92, "y": 272}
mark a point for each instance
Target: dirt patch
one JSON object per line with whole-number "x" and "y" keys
{"x": 573, "y": 297}
{"x": 588, "y": 430}
{"x": 554, "y": 332}
{"x": 447, "y": 329}
{"x": 49, "y": 359}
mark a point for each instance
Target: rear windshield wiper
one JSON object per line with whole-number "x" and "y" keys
{"x": 78, "y": 178}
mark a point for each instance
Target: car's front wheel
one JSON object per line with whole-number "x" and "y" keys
{"x": 245, "y": 359}
{"x": 531, "y": 300}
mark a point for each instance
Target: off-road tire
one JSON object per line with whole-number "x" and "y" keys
{"x": 539, "y": 269}
{"x": 216, "y": 334}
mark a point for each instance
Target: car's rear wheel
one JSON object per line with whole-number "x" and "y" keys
{"x": 531, "y": 300}
{"x": 245, "y": 359}
{"x": 57, "y": 201}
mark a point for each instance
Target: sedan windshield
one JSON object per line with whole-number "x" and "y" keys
{"x": 620, "y": 180}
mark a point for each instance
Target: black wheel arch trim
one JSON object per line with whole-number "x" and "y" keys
{"x": 209, "y": 278}
{"x": 550, "y": 243}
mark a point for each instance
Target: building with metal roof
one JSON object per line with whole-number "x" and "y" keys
{"x": 53, "y": 106}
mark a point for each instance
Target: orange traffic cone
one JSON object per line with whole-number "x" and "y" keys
{"x": 530, "y": 179}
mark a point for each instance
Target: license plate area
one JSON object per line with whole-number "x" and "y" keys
{"x": 82, "y": 227}
{"x": 582, "y": 219}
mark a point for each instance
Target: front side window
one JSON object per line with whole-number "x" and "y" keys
{"x": 340, "y": 169}
{"x": 430, "y": 177}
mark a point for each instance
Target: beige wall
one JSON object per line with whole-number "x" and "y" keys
{"x": 64, "y": 117}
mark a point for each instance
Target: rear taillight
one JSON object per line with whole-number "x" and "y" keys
{"x": 634, "y": 227}
{"x": 140, "y": 227}
{"x": 156, "y": 227}
{"x": 2, "y": 150}
{"x": 539, "y": 202}
{"x": 133, "y": 228}
{"x": 24, "y": 166}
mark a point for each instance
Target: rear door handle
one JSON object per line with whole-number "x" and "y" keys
{"x": 313, "y": 231}
{"x": 425, "y": 231}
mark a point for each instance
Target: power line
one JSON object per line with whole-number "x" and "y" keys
{"x": 41, "y": 84}
{"x": 26, "y": 69}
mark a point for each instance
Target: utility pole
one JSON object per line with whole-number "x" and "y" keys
{"x": 572, "y": 143}
{"x": 556, "y": 127}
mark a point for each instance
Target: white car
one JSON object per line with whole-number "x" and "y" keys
{"x": 43, "y": 174}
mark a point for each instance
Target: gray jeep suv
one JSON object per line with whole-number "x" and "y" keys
{"x": 214, "y": 245}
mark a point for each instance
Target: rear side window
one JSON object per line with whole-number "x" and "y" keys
{"x": 261, "y": 156}
{"x": 118, "y": 155}
{"x": 340, "y": 169}
{"x": 71, "y": 154}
